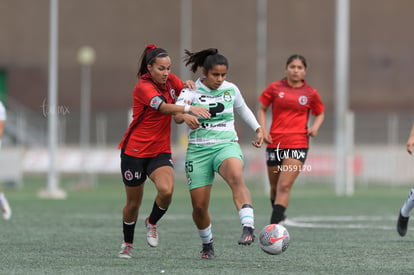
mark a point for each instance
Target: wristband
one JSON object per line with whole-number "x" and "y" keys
{"x": 186, "y": 108}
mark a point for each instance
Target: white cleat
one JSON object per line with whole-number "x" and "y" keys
{"x": 5, "y": 207}
{"x": 125, "y": 252}
{"x": 152, "y": 234}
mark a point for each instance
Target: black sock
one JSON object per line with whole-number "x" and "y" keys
{"x": 129, "y": 229}
{"x": 273, "y": 203}
{"x": 156, "y": 214}
{"x": 246, "y": 206}
{"x": 278, "y": 214}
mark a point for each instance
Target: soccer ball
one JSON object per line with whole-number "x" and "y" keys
{"x": 274, "y": 239}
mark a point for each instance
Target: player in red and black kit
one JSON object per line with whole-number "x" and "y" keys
{"x": 292, "y": 100}
{"x": 146, "y": 146}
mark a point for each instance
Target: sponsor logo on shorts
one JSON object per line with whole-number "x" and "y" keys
{"x": 128, "y": 175}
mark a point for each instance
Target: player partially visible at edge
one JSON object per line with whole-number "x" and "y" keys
{"x": 213, "y": 144}
{"x": 408, "y": 205}
{"x": 292, "y": 101}
{"x": 146, "y": 146}
{"x": 4, "y": 204}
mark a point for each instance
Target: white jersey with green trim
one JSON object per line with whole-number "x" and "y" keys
{"x": 221, "y": 103}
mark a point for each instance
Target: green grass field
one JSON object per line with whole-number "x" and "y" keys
{"x": 82, "y": 234}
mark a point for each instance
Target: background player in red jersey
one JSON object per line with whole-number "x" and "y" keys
{"x": 292, "y": 99}
{"x": 146, "y": 146}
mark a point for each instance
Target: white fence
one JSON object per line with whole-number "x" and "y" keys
{"x": 372, "y": 164}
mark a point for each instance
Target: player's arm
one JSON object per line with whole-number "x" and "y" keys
{"x": 410, "y": 142}
{"x": 2, "y": 122}
{"x": 313, "y": 130}
{"x": 247, "y": 115}
{"x": 159, "y": 103}
{"x": 261, "y": 117}
{"x": 190, "y": 120}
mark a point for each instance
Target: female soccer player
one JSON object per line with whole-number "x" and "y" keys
{"x": 213, "y": 145}
{"x": 146, "y": 146}
{"x": 4, "y": 204}
{"x": 408, "y": 205}
{"x": 292, "y": 101}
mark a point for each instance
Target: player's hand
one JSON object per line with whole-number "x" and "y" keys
{"x": 259, "y": 138}
{"x": 191, "y": 121}
{"x": 190, "y": 85}
{"x": 410, "y": 144}
{"x": 312, "y": 132}
{"x": 200, "y": 111}
{"x": 267, "y": 138}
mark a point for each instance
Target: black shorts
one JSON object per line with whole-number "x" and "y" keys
{"x": 135, "y": 170}
{"x": 275, "y": 156}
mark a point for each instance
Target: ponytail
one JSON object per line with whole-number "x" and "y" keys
{"x": 206, "y": 58}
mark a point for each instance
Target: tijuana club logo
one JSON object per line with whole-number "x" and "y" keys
{"x": 173, "y": 94}
{"x": 128, "y": 175}
{"x": 303, "y": 100}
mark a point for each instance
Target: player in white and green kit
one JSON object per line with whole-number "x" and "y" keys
{"x": 4, "y": 204}
{"x": 213, "y": 146}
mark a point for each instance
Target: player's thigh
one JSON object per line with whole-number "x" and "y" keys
{"x": 273, "y": 174}
{"x": 161, "y": 172}
{"x": 289, "y": 170}
{"x": 228, "y": 151}
{"x": 231, "y": 169}
{"x": 163, "y": 179}
{"x": 199, "y": 166}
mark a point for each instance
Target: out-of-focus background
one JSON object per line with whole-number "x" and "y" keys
{"x": 380, "y": 94}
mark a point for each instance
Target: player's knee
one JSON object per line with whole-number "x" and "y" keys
{"x": 199, "y": 211}
{"x": 131, "y": 207}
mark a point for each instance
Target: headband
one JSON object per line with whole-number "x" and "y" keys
{"x": 153, "y": 52}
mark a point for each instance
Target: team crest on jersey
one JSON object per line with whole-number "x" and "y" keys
{"x": 227, "y": 96}
{"x": 281, "y": 94}
{"x": 128, "y": 175}
{"x": 303, "y": 100}
{"x": 173, "y": 94}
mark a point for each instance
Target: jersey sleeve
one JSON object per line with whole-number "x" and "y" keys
{"x": 144, "y": 93}
{"x": 316, "y": 105}
{"x": 266, "y": 97}
{"x": 244, "y": 111}
{"x": 239, "y": 100}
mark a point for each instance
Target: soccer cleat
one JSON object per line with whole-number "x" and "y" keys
{"x": 152, "y": 234}
{"x": 5, "y": 208}
{"x": 247, "y": 236}
{"x": 208, "y": 251}
{"x": 402, "y": 225}
{"x": 284, "y": 220}
{"x": 274, "y": 219}
{"x": 125, "y": 252}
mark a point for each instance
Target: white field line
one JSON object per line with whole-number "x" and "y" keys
{"x": 341, "y": 222}
{"x": 334, "y": 222}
